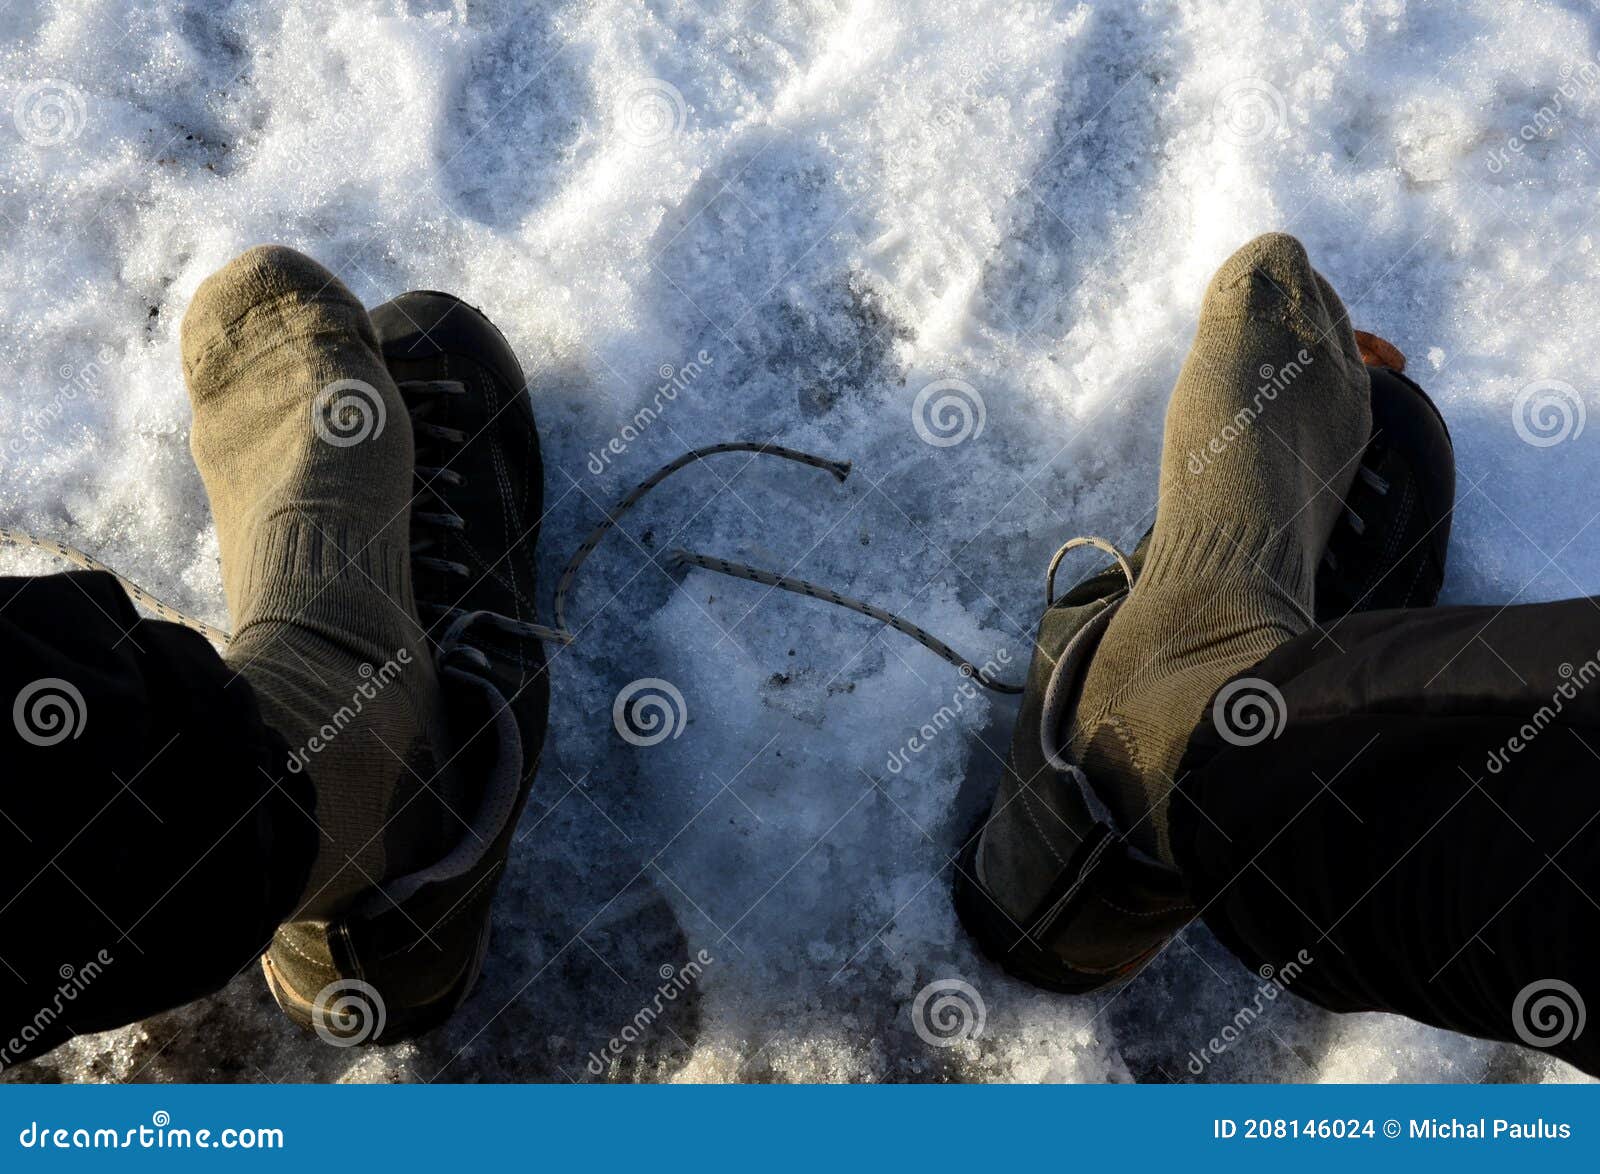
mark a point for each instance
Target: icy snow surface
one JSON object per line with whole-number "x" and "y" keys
{"x": 839, "y": 202}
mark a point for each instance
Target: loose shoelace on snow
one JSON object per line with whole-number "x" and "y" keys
{"x": 462, "y": 620}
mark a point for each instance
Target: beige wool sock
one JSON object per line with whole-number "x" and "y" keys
{"x": 1264, "y": 433}
{"x": 306, "y": 452}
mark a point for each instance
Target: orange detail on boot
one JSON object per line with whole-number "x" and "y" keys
{"x": 1379, "y": 352}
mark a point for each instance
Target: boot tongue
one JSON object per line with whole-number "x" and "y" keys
{"x": 488, "y": 744}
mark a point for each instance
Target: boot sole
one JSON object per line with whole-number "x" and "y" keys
{"x": 999, "y": 939}
{"x": 400, "y": 1023}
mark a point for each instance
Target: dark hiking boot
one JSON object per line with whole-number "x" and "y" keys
{"x": 409, "y": 954}
{"x": 1389, "y": 548}
{"x": 1048, "y": 886}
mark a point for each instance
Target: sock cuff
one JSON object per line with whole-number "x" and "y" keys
{"x": 296, "y": 571}
{"x": 288, "y": 546}
{"x": 1201, "y": 550}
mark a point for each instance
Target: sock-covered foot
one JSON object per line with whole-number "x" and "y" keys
{"x": 306, "y": 453}
{"x": 1264, "y": 433}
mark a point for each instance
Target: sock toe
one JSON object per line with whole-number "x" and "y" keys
{"x": 299, "y": 433}
{"x": 1270, "y": 279}
{"x": 1272, "y": 255}
{"x": 269, "y": 286}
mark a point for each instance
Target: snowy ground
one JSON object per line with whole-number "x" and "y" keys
{"x": 838, "y": 202}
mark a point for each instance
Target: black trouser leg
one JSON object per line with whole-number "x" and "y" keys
{"x": 1425, "y": 825}
{"x": 150, "y": 839}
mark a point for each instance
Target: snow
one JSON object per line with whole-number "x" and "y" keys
{"x": 839, "y": 202}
